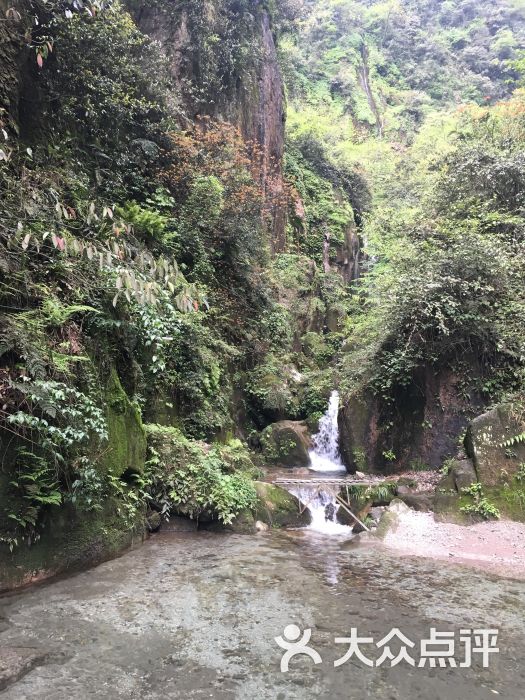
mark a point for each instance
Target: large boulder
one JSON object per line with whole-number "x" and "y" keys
{"x": 487, "y": 434}
{"x": 287, "y": 443}
{"x": 391, "y": 518}
{"x": 357, "y": 421}
{"x": 278, "y": 508}
{"x": 417, "y": 428}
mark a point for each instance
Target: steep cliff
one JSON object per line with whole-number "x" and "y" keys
{"x": 223, "y": 60}
{"x": 141, "y": 197}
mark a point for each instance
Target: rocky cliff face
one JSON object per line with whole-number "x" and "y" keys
{"x": 420, "y": 429}
{"x": 223, "y": 61}
{"x": 13, "y": 50}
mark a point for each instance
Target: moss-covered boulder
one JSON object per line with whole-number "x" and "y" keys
{"x": 287, "y": 443}
{"x": 278, "y": 508}
{"x": 70, "y": 540}
{"x": 462, "y": 497}
{"x": 126, "y": 434}
{"x": 357, "y": 420}
{"x": 485, "y": 442}
{"x": 205, "y": 482}
{"x": 390, "y": 519}
{"x": 449, "y": 497}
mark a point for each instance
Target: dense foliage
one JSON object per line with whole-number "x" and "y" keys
{"x": 130, "y": 239}
{"x": 138, "y": 279}
{"x": 446, "y": 285}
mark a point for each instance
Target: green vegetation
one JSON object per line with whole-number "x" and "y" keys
{"x": 174, "y": 253}
{"x": 131, "y": 246}
{"x": 481, "y": 506}
{"x": 191, "y": 479}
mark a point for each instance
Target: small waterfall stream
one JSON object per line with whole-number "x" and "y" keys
{"x": 325, "y": 458}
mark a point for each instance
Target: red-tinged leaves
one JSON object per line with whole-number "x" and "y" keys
{"x": 39, "y": 60}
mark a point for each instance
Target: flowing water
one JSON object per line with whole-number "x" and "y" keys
{"x": 323, "y": 511}
{"x": 325, "y": 456}
{"x": 325, "y": 461}
{"x": 195, "y": 616}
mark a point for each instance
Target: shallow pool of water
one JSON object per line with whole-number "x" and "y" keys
{"x": 195, "y": 616}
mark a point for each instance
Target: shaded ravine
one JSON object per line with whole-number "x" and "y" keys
{"x": 195, "y": 616}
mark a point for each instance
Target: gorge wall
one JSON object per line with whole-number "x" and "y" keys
{"x": 223, "y": 60}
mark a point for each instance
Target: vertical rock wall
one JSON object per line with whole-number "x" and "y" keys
{"x": 235, "y": 78}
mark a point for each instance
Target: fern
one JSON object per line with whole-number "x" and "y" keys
{"x": 515, "y": 440}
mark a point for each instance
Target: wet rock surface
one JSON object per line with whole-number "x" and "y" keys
{"x": 15, "y": 662}
{"x": 195, "y": 616}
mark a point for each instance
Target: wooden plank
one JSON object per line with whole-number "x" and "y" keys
{"x": 324, "y": 482}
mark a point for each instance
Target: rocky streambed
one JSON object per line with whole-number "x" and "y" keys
{"x": 194, "y": 615}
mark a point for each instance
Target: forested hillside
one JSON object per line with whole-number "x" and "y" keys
{"x": 213, "y": 213}
{"x": 394, "y": 125}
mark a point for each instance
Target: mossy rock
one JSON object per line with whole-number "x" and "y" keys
{"x": 275, "y": 507}
{"x": 486, "y": 435}
{"x": 287, "y": 443}
{"x": 278, "y": 508}
{"x": 356, "y": 437}
{"x": 126, "y": 434}
{"x": 71, "y": 540}
{"x": 448, "y": 501}
{"x": 243, "y": 524}
{"x": 390, "y": 519}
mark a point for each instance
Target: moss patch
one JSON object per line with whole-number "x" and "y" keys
{"x": 277, "y": 507}
{"x": 286, "y": 443}
{"x": 127, "y": 437}
{"x": 70, "y": 541}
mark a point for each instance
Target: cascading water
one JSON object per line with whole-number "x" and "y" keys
{"x": 324, "y": 458}
{"x": 323, "y": 510}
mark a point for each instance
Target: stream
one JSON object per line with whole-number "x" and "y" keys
{"x": 195, "y": 615}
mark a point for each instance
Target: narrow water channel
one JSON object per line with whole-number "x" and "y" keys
{"x": 195, "y": 616}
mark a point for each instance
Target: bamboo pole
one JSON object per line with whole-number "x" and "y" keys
{"x": 343, "y": 505}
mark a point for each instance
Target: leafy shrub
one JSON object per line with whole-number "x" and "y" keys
{"x": 34, "y": 486}
{"x": 146, "y": 222}
{"x": 194, "y": 479}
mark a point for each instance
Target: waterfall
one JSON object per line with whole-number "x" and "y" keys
{"x": 323, "y": 508}
{"x": 325, "y": 456}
